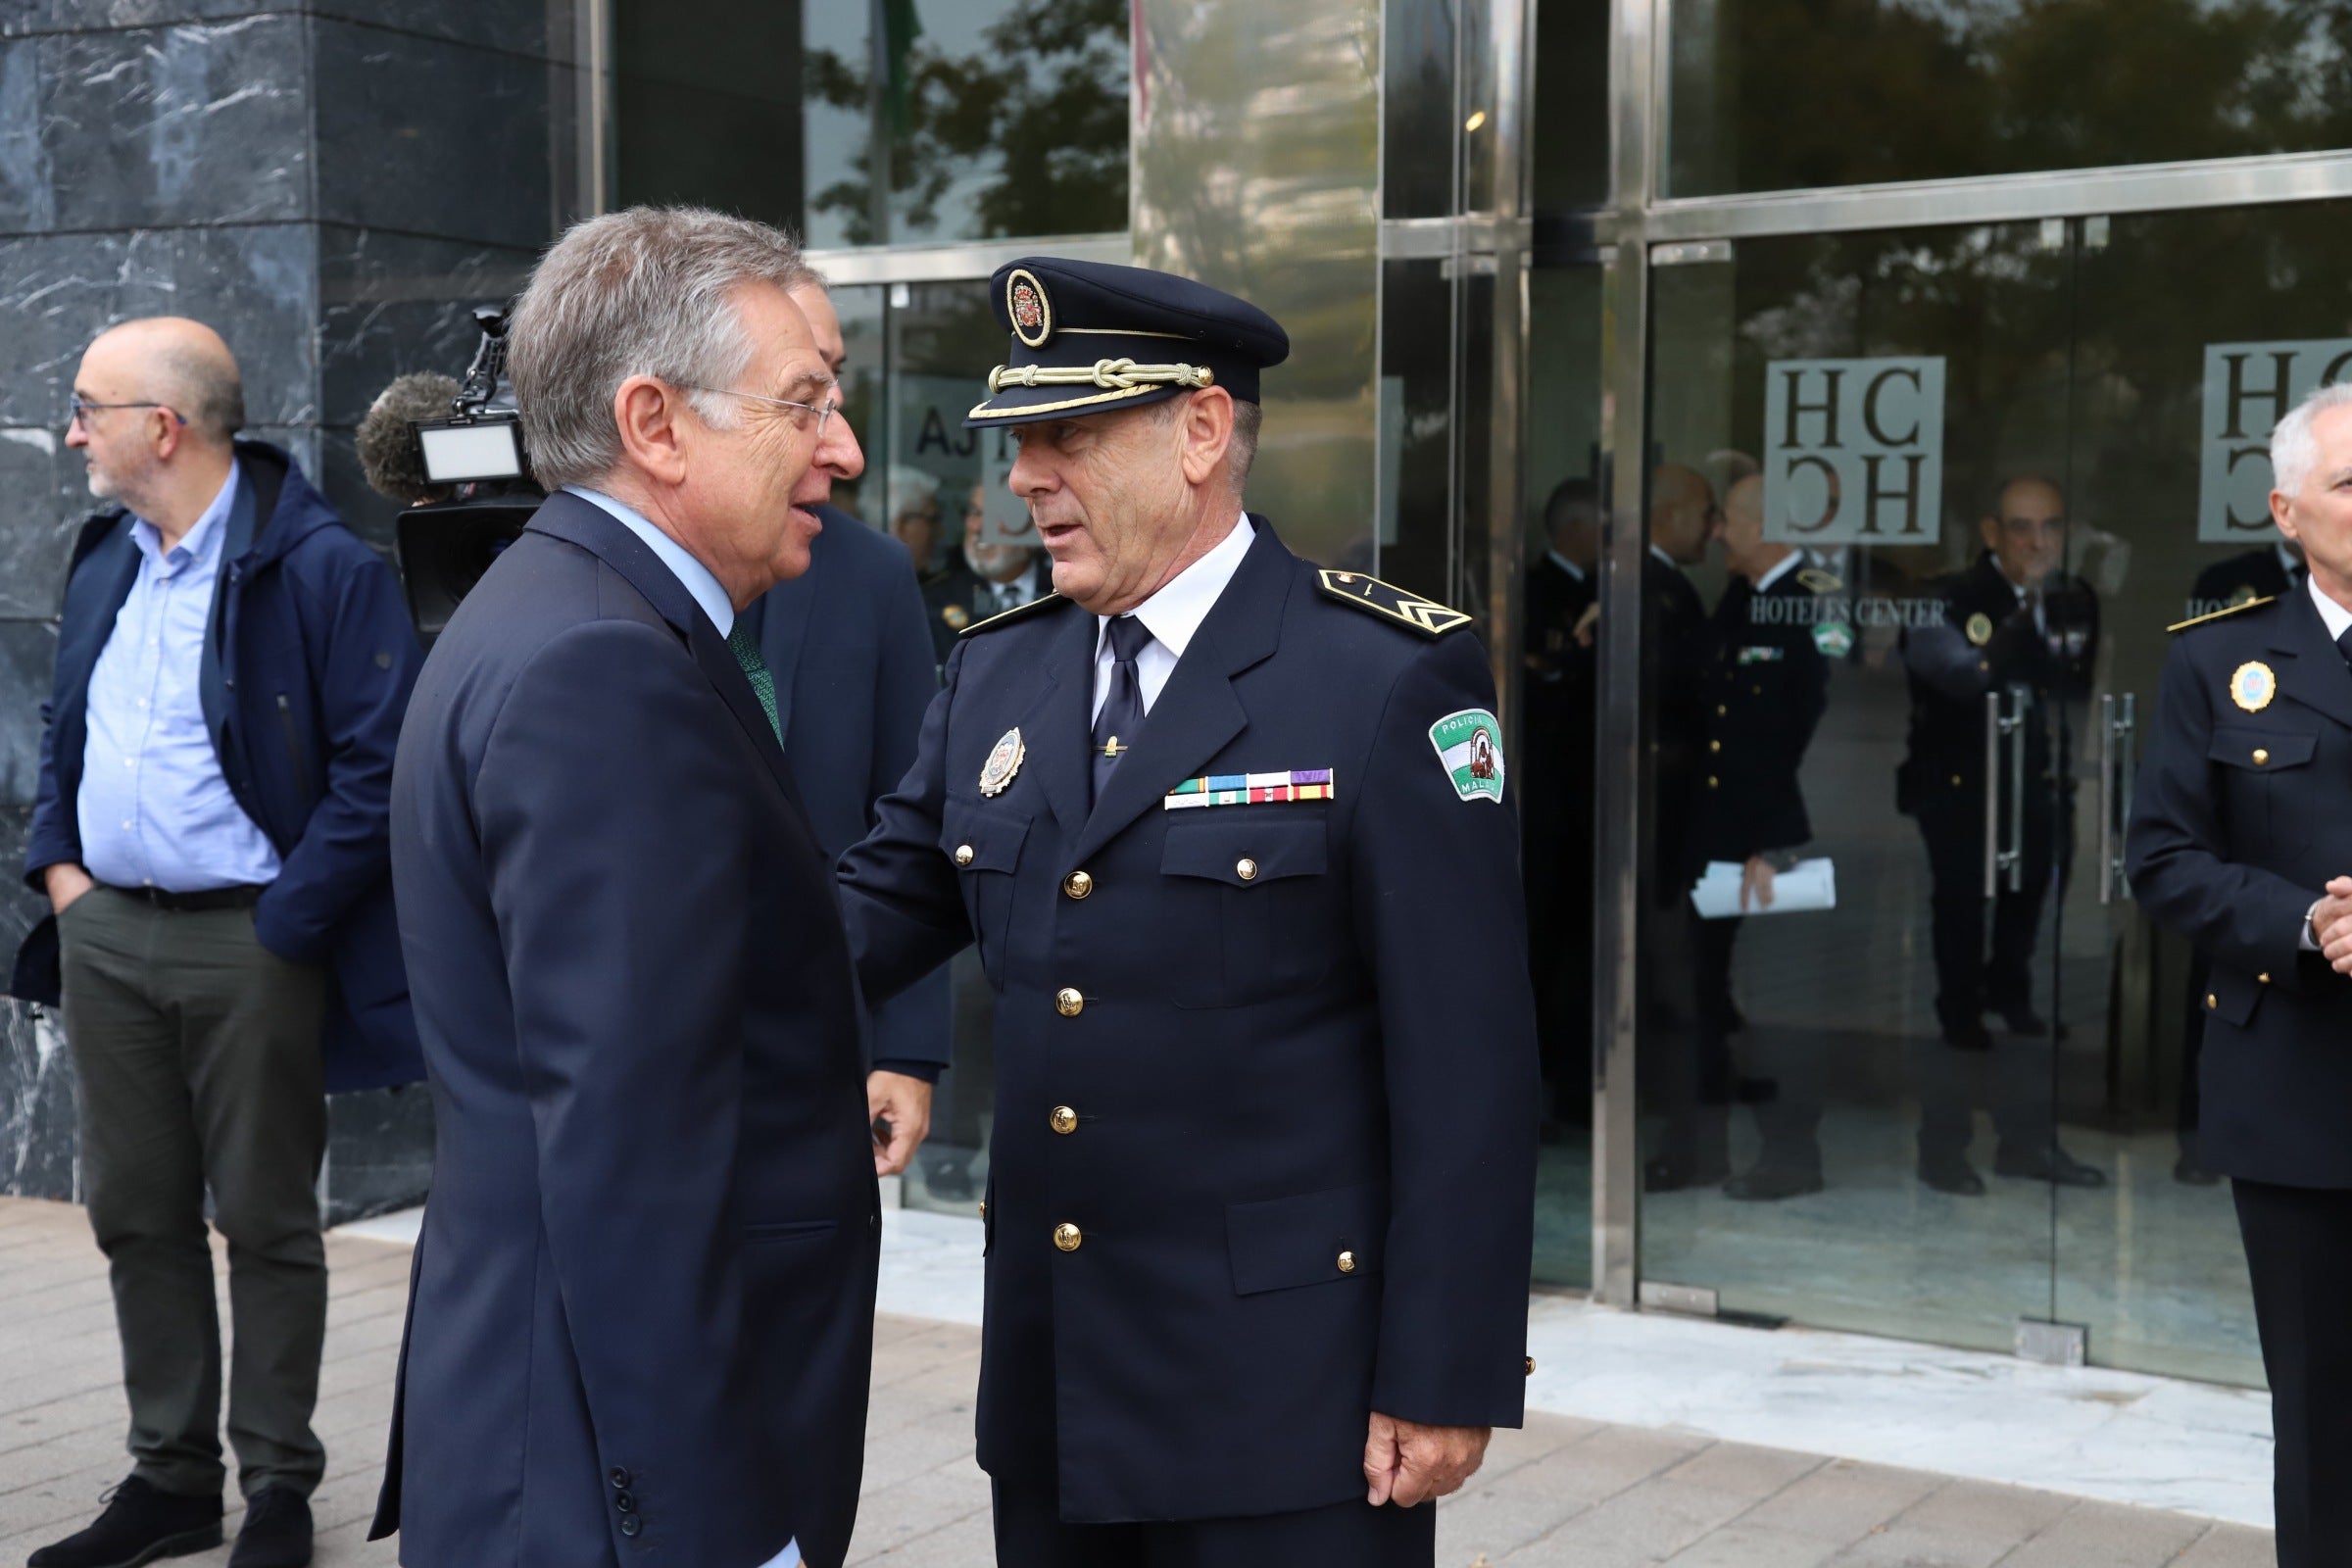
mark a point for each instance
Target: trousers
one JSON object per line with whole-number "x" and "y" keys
{"x": 1031, "y": 1534}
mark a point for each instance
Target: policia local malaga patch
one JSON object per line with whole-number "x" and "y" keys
{"x": 1469, "y": 746}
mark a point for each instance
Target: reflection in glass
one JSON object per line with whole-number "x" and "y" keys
{"x": 1792, "y": 94}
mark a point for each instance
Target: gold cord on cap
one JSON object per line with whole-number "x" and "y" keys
{"x": 1117, "y": 375}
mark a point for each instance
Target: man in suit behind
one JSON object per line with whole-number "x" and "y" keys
{"x": 640, "y": 1321}
{"x": 2238, "y": 817}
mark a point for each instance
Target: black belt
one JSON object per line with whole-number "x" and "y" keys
{"x": 236, "y": 898}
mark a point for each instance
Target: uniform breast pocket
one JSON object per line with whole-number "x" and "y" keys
{"x": 2268, "y": 766}
{"x": 1258, "y": 884}
{"x": 984, "y": 843}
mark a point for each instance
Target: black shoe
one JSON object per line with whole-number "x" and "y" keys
{"x": 1968, "y": 1035}
{"x": 1952, "y": 1175}
{"x": 140, "y": 1524}
{"x": 1769, "y": 1182}
{"x": 277, "y": 1533}
{"x": 1672, "y": 1173}
{"x": 2048, "y": 1164}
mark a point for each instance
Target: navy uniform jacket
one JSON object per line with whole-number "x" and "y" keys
{"x": 1293, "y": 1042}
{"x": 1767, "y": 686}
{"x": 853, "y": 670}
{"x": 641, "y": 1312}
{"x": 2237, "y": 823}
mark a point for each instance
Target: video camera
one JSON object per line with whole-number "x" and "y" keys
{"x": 475, "y": 456}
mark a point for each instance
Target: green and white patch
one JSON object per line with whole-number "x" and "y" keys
{"x": 1835, "y": 638}
{"x": 1469, "y": 746}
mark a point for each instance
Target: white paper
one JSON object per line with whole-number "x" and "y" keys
{"x": 1806, "y": 885}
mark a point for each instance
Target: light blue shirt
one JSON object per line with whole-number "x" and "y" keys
{"x": 155, "y": 809}
{"x": 697, "y": 580}
{"x": 691, "y": 573}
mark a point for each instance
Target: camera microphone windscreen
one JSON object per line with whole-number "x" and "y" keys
{"x": 387, "y": 441}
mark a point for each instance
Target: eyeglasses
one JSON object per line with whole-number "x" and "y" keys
{"x": 77, "y": 411}
{"x": 823, "y": 410}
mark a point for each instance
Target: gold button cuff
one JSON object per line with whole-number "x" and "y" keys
{"x": 1347, "y": 1263}
{"x": 963, "y": 855}
{"x": 1078, "y": 884}
{"x": 1064, "y": 1120}
{"x": 1245, "y": 868}
{"x": 1068, "y": 1237}
{"x": 1068, "y": 1002}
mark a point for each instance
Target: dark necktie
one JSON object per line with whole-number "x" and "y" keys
{"x": 746, "y": 649}
{"x": 1122, "y": 715}
{"x": 2343, "y": 645}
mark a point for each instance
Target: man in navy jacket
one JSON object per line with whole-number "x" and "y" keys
{"x": 210, "y": 831}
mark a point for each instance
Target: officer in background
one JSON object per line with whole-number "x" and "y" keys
{"x": 1556, "y": 776}
{"x": 2240, "y": 842}
{"x": 2015, "y": 622}
{"x": 985, "y": 579}
{"x": 1234, "y": 839}
{"x": 1767, "y": 686}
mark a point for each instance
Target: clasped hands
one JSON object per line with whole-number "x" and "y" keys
{"x": 1408, "y": 1464}
{"x": 2331, "y": 925}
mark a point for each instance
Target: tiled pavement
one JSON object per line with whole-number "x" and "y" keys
{"x": 1565, "y": 1492}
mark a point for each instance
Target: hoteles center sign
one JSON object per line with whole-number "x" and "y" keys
{"x": 1853, "y": 451}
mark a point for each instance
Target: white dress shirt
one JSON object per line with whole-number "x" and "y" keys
{"x": 1172, "y": 614}
{"x": 695, "y": 577}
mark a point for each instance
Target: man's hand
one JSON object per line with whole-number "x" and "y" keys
{"x": 2331, "y": 924}
{"x": 900, "y": 1107}
{"x": 1408, "y": 1463}
{"x": 1755, "y": 883}
{"x": 1587, "y": 623}
{"x": 66, "y": 882}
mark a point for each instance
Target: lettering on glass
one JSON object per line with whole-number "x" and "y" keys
{"x": 2248, "y": 388}
{"x": 1853, "y": 451}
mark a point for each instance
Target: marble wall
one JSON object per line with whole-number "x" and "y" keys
{"x": 334, "y": 184}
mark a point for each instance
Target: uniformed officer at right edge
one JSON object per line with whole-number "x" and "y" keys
{"x": 1236, "y": 840}
{"x": 2239, "y": 814}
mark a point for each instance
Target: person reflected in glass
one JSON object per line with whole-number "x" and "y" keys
{"x": 914, "y": 517}
{"x": 2018, "y": 624}
{"x": 1556, "y": 772}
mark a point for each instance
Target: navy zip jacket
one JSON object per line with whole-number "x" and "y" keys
{"x": 308, "y": 663}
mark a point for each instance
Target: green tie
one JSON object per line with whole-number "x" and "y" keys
{"x": 746, "y": 649}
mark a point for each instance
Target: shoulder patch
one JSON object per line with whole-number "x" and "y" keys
{"x": 1006, "y": 617}
{"x": 1424, "y": 616}
{"x": 2220, "y": 614}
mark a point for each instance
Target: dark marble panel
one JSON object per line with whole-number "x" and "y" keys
{"x": 426, "y": 138}
{"x": 37, "y": 1105}
{"x": 390, "y": 304}
{"x": 258, "y": 284}
{"x": 27, "y": 656}
{"x": 91, "y": 16}
{"x": 205, "y": 123}
{"x": 27, "y": 199}
{"x": 47, "y": 500}
{"x": 379, "y": 1151}
{"x": 535, "y": 28}
{"x": 370, "y": 516}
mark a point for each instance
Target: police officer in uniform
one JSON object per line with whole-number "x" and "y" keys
{"x": 1236, "y": 839}
{"x": 2016, "y": 622}
{"x": 2239, "y": 841}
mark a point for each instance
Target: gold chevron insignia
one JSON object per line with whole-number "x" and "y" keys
{"x": 1425, "y": 616}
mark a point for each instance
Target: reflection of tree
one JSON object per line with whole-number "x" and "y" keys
{"x": 1833, "y": 92}
{"x": 1045, "y": 97}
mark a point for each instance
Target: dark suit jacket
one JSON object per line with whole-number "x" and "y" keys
{"x": 853, "y": 663}
{"x": 1288, "y": 1031}
{"x": 641, "y": 1313}
{"x": 1768, "y": 685}
{"x": 2237, "y": 823}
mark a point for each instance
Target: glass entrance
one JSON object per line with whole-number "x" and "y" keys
{"x": 1921, "y": 507}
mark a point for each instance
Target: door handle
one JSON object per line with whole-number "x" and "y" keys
{"x": 2127, "y": 782}
{"x": 2014, "y": 857}
{"x": 2107, "y": 738}
{"x": 1994, "y": 727}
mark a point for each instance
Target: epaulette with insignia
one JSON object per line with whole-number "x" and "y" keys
{"x": 1006, "y": 617}
{"x": 2218, "y": 615}
{"x": 1424, "y": 616}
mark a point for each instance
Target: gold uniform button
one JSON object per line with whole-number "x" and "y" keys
{"x": 1064, "y": 1120}
{"x": 1531, "y": 1366}
{"x": 1077, "y": 884}
{"x": 984, "y": 1208}
{"x": 2211, "y": 1002}
{"x": 1068, "y": 1237}
{"x": 2262, "y": 979}
{"x": 1955, "y": 781}
{"x": 1347, "y": 1263}
{"x": 1713, "y": 782}
{"x": 1245, "y": 868}
{"x": 1714, "y": 745}
{"x": 1068, "y": 1002}
{"x": 963, "y": 855}
{"x": 2260, "y": 756}
{"x": 1721, "y": 711}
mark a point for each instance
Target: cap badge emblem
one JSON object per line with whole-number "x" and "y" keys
{"x": 1030, "y": 311}
{"x": 1003, "y": 761}
{"x": 2253, "y": 686}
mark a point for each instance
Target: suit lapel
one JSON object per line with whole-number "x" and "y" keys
{"x": 1057, "y": 720}
{"x": 2313, "y": 671}
{"x": 1197, "y": 712}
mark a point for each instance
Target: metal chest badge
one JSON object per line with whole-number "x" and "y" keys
{"x": 1003, "y": 761}
{"x": 1980, "y": 629}
{"x": 2253, "y": 686}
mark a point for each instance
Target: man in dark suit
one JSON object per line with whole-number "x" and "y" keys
{"x": 2237, "y": 820}
{"x": 641, "y": 1313}
{"x": 1233, "y": 838}
{"x": 2015, "y": 622}
{"x": 853, "y": 672}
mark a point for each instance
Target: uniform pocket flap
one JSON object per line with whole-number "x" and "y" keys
{"x": 979, "y": 838}
{"x": 1309, "y": 1240}
{"x": 1245, "y": 853}
{"x": 2231, "y": 995}
{"x": 2260, "y": 750}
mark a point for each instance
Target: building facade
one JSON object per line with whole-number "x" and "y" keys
{"x": 1597, "y": 310}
